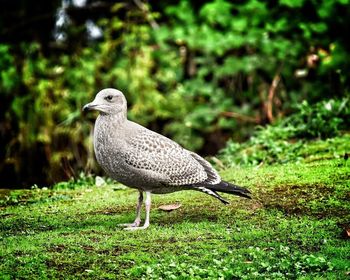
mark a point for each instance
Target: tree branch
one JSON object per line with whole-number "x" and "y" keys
{"x": 144, "y": 8}
{"x": 241, "y": 117}
{"x": 272, "y": 91}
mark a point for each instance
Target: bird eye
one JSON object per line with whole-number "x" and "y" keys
{"x": 109, "y": 97}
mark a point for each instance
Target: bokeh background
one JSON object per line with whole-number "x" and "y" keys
{"x": 200, "y": 72}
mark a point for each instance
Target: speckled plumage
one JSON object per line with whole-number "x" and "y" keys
{"x": 145, "y": 160}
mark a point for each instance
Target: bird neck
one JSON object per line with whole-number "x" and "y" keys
{"x": 118, "y": 118}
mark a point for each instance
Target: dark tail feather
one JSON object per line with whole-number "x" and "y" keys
{"x": 212, "y": 193}
{"x": 229, "y": 188}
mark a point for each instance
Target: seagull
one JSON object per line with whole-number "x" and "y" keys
{"x": 147, "y": 161}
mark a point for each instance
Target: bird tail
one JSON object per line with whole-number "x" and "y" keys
{"x": 229, "y": 188}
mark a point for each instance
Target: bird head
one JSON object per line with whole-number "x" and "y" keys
{"x": 108, "y": 101}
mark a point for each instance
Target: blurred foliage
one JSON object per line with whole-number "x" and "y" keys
{"x": 288, "y": 140}
{"x": 199, "y": 72}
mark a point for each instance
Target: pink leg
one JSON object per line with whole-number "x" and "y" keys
{"x": 137, "y": 221}
{"x": 148, "y": 209}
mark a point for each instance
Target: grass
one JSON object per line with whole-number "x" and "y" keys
{"x": 294, "y": 228}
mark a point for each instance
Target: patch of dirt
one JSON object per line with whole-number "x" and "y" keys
{"x": 295, "y": 199}
{"x": 57, "y": 248}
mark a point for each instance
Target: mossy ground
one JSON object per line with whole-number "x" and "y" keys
{"x": 292, "y": 229}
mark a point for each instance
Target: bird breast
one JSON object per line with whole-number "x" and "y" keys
{"x": 109, "y": 148}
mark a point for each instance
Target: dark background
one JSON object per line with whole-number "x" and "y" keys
{"x": 200, "y": 72}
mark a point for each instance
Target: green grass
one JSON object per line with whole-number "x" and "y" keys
{"x": 292, "y": 229}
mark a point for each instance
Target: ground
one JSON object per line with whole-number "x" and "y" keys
{"x": 293, "y": 228}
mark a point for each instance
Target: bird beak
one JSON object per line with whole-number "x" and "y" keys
{"x": 89, "y": 107}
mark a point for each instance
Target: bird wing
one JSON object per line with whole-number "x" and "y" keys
{"x": 212, "y": 175}
{"x": 154, "y": 152}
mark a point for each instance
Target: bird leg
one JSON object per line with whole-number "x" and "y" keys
{"x": 137, "y": 221}
{"x": 148, "y": 209}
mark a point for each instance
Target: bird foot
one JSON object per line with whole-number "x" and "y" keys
{"x": 136, "y": 228}
{"x": 134, "y": 224}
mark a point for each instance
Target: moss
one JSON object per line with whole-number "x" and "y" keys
{"x": 291, "y": 229}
